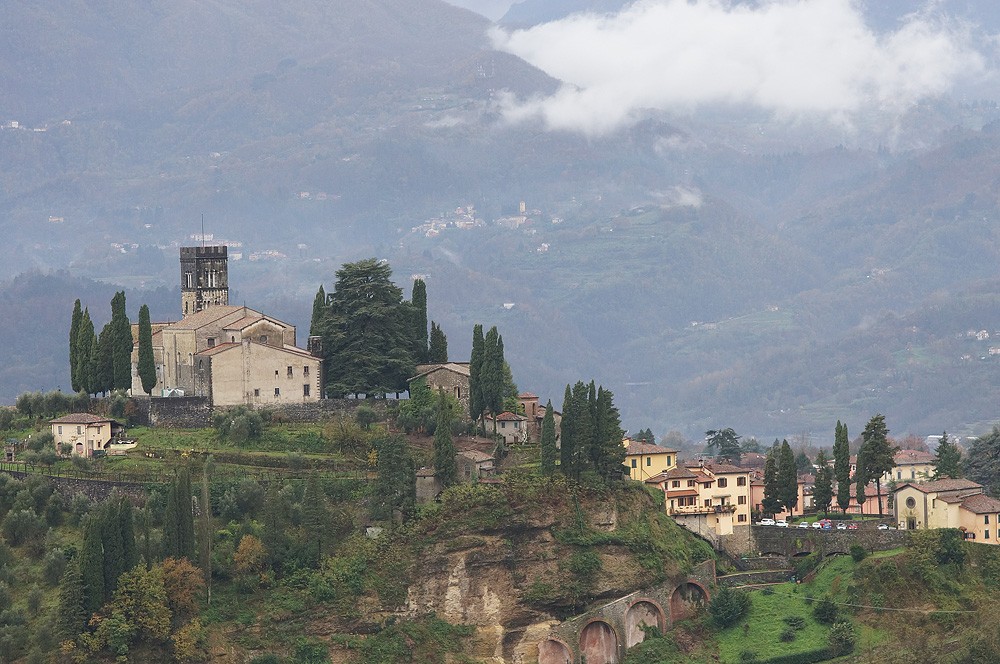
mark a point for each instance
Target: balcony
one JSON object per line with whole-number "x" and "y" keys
{"x": 702, "y": 509}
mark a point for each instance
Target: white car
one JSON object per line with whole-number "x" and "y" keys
{"x": 803, "y": 524}
{"x": 883, "y": 526}
{"x": 817, "y": 525}
{"x": 781, "y": 523}
{"x": 841, "y": 525}
{"x": 766, "y": 522}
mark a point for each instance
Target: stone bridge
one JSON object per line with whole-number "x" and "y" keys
{"x": 774, "y": 541}
{"x": 602, "y": 635}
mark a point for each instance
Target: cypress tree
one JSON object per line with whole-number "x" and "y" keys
{"x": 880, "y": 454}
{"x": 126, "y": 526}
{"x": 171, "y": 523}
{"x": 445, "y": 466}
{"x": 842, "y": 466}
{"x": 103, "y": 362}
{"x": 548, "y": 441}
{"x": 72, "y": 602}
{"x": 788, "y": 486}
{"x": 95, "y": 373}
{"x": 74, "y": 332}
{"x": 861, "y": 479}
{"x": 438, "y": 345}
{"x": 947, "y": 459}
{"x": 491, "y": 376}
{"x": 146, "y": 363}
{"x": 85, "y": 346}
{"x": 567, "y": 436}
{"x": 823, "y": 489}
{"x": 771, "y": 504}
{"x": 186, "y": 515}
{"x": 418, "y": 300}
{"x": 318, "y": 312}
{"x": 610, "y": 451}
{"x": 205, "y": 529}
{"x": 583, "y": 428}
{"x": 114, "y": 546}
{"x": 314, "y": 519}
{"x": 92, "y": 563}
{"x": 121, "y": 344}
{"x": 476, "y": 403}
{"x": 275, "y": 526}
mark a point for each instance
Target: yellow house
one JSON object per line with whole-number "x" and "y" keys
{"x": 83, "y": 433}
{"x": 710, "y": 497}
{"x": 911, "y": 466}
{"x": 645, "y": 461}
{"x": 961, "y": 504}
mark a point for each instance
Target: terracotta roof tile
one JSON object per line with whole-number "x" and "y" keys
{"x": 80, "y": 418}
{"x": 982, "y": 504}
{"x": 913, "y": 456}
{"x": 635, "y": 447}
{"x": 938, "y": 486}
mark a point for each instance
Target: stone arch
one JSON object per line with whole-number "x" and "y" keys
{"x": 687, "y": 599}
{"x": 801, "y": 554}
{"x": 643, "y": 611}
{"x": 554, "y": 651}
{"x": 599, "y": 643}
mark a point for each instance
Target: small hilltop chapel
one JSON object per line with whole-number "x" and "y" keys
{"x": 232, "y": 354}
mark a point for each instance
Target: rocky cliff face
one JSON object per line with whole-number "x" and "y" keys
{"x": 531, "y": 564}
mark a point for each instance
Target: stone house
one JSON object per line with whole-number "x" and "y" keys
{"x": 535, "y": 413}
{"x": 473, "y": 464}
{"x": 961, "y": 504}
{"x": 452, "y": 377}
{"x": 511, "y": 427}
{"x": 83, "y": 434}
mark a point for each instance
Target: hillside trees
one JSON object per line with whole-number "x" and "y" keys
{"x": 418, "y": 333}
{"x": 879, "y": 453}
{"x": 445, "y": 466}
{"x": 438, "y": 351}
{"x": 147, "y": 363}
{"x": 121, "y": 344}
{"x": 771, "y": 504}
{"x": 178, "y": 519}
{"x": 823, "y": 489}
{"x": 476, "y": 405}
{"x": 85, "y": 345}
{"x": 591, "y": 433}
{"x": 726, "y": 444}
{"x": 548, "y": 442}
{"x": 366, "y": 329}
{"x": 842, "y": 466}
{"x": 101, "y": 363}
{"x": 395, "y": 490}
{"x": 74, "y": 330}
{"x": 947, "y": 459}
{"x": 982, "y": 463}
{"x": 788, "y": 484}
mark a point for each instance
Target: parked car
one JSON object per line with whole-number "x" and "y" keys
{"x": 852, "y": 526}
{"x": 803, "y": 524}
{"x": 781, "y": 523}
{"x": 766, "y": 522}
{"x": 817, "y": 524}
{"x": 842, "y": 526}
{"x": 883, "y": 526}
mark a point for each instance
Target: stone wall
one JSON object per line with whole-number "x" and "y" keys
{"x": 96, "y": 490}
{"x": 196, "y": 412}
{"x": 792, "y": 541}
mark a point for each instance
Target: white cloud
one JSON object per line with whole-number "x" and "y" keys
{"x": 806, "y": 58}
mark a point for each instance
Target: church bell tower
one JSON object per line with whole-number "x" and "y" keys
{"x": 204, "y": 278}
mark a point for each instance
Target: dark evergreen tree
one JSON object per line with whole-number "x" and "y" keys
{"x": 726, "y": 444}
{"x": 802, "y": 462}
{"x": 947, "y": 459}
{"x": 92, "y": 563}
{"x": 73, "y": 613}
{"x": 445, "y": 466}
{"x": 646, "y": 436}
{"x": 178, "y": 519}
{"x": 74, "y": 331}
{"x": 823, "y": 488}
{"x": 567, "y": 453}
{"x": 366, "y": 332}
{"x": 147, "y": 363}
{"x": 314, "y": 520}
{"x": 583, "y": 428}
{"x": 318, "y": 313}
{"x": 104, "y": 367}
{"x": 880, "y": 453}
{"x": 610, "y": 457}
{"x": 982, "y": 463}
{"x": 121, "y": 344}
{"x": 491, "y": 375}
{"x": 418, "y": 302}
{"x": 771, "y": 504}
{"x": 477, "y": 404}
{"x": 439, "y": 345}
{"x": 788, "y": 481}
{"x": 114, "y": 547}
{"x": 85, "y": 346}
{"x": 548, "y": 441}
{"x": 395, "y": 484}
{"x": 861, "y": 479}
{"x": 275, "y": 525}
{"x": 842, "y": 466}
{"x": 95, "y": 372}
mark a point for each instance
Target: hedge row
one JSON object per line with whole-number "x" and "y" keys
{"x": 806, "y": 657}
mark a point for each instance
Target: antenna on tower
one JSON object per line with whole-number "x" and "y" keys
{"x": 202, "y": 230}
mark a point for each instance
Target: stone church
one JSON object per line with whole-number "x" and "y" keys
{"x": 231, "y": 354}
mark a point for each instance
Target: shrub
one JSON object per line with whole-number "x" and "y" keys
{"x": 728, "y": 606}
{"x": 795, "y": 622}
{"x": 53, "y": 566}
{"x": 842, "y": 638}
{"x": 825, "y": 611}
{"x": 23, "y": 526}
{"x": 748, "y": 657}
{"x": 858, "y": 553}
{"x": 239, "y": 425}
{"x": 805, "y": 565}
{"x": 787, "y": 635}
{"x": 366, "y": 416}
{"x": 268, "y": 658}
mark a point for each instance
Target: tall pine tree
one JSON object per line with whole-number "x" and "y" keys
{"x": 121, "y": 343}
{"x": 491, "y": 376}
{"x": 880, "y": 453}
{"x": 947, "y": 459}
{"x": 445, "y": 466}
{"x": 92, "y": 563}
{"x": 567, "y": 436}
{"x": 73, "y": 613}
{"x": 771, "y": 504}
{"x": 74, "y": 332}
{"x": 548, "y": 441}
{"x": 178, "y": 519}
{"x": 314, "y": 520}
{"x": 861, "y": 479}
{"x": 147, "y": 363}
{"x": 439, "y": 345}
{"x": 476, "y": 402}
{"x": 418, "y": 301}
{"x": 823, "y": 488}
{"x": 318, "y": 312}
{"x": 610, "y": 453}
{"x": 788, "y": 482}
{"x": 842, "y": 466}
{"x": 85, "y": 346}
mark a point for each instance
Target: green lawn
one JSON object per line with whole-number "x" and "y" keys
{"x": 760, "y": 630}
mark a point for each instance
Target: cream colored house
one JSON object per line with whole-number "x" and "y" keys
{"x": 961, "y": 504}
{"x": 911, "y": 466}
{"x": 645, "y": 461}
{"x": 258, "y": 374}
{"x": 83, "y": 433}
{"x": 712, "y": 496}
{"x": 513, "y": 428}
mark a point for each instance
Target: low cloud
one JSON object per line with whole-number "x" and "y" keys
{"x": 797, "y": 58}
{"x": 679, "y": 196}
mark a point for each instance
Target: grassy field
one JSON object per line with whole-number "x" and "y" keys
{"x": 761, "y": 630}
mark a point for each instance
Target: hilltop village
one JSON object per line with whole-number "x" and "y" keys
{"x": 214, "y": 487}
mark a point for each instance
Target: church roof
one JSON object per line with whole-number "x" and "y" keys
{"x": 206, "y": 316}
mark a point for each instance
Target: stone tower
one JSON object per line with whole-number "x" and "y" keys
{"x": 204, "y": 278}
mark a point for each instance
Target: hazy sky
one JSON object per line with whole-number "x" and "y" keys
{"x": 492, "y": 9}
{"x": 814, "y": 58}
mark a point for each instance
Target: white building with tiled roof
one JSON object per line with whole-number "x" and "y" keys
{"x": 83, "y": 433}
{"x": 961, "y": 504}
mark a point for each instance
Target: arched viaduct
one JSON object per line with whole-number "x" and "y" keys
{"x": 791, "y": 542}
{"x": 602, "y": 635}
